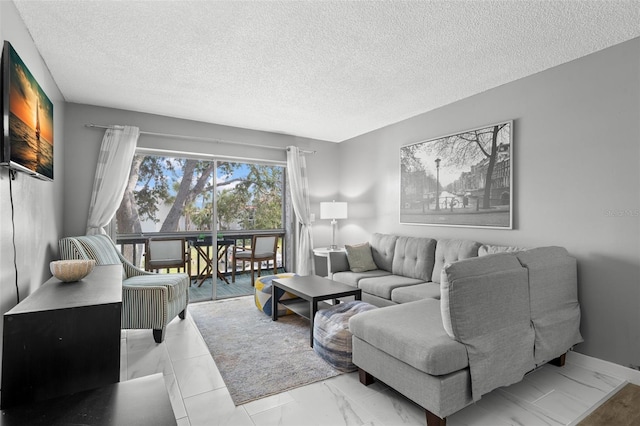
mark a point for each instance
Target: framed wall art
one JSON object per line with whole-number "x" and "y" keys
{"x": 463, "y": 179}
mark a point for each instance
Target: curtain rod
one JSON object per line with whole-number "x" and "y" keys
{"x": 197, "y": 138}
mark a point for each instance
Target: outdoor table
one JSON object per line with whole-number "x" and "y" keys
{"x": 202, "y": 248}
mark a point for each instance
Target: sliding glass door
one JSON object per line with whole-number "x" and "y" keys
{"x": 217, "y": 206}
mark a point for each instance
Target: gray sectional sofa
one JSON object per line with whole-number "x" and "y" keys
{"x": 408, "y": 267}
{"x": 458, "y": 318}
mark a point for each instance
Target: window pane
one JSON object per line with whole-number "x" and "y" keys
{"x": 167, "y": 194}
{"x": 249, "y": 196}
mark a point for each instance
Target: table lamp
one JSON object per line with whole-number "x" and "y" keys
{"x": 333, "y": 211}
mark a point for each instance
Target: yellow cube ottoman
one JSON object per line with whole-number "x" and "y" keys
{"x": 263, "y": 294}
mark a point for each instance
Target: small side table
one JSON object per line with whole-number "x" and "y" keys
{"x": 324, "y": 252}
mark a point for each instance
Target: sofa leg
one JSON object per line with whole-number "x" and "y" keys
{"x": 559, "y": 362}
{"x": 433, "y": 420}
{"x": 158, "y": 335}
{"x": 183, "y": 314}
{"x": 365, "y": 378}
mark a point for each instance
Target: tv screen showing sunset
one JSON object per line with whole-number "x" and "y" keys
{"x": 30, "y": 119}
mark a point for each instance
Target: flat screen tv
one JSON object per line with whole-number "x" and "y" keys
{"x": 27, "y": 119}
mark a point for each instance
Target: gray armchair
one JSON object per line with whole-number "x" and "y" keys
{"x": 149, "y": 300}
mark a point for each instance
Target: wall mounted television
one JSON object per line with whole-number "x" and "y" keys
{"x": 27, "y": 120}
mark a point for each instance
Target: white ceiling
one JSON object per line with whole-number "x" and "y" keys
{"x": 328, "y": 70}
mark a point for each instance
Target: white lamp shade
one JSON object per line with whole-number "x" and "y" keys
{"x": 333, "y": 210}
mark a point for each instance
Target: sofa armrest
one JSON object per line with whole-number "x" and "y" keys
{"x": 338, "y": 261}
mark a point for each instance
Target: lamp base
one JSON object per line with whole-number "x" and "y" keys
{"x": 333, "y": 247}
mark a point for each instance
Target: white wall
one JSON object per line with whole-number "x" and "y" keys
{"x": 83, "y": 144}
{"x": 576, "y": 158}
{"x": 37, "y": 204}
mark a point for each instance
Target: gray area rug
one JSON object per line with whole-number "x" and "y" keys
{"x": 256, "y": 356}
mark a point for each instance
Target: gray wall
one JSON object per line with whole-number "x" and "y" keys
{"x": 38, "y": 204}
{"x": 576, "y": 159}
{"x": 83, "y": 144}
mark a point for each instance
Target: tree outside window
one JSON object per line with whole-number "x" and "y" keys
{"x": 168, "y": 194}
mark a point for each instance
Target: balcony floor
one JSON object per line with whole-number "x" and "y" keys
{"x": 242, "y": 287}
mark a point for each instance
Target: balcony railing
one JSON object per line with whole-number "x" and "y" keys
{"x": 132, "y": 246}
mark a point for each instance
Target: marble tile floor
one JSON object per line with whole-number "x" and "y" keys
{"x": 548, "y": 396}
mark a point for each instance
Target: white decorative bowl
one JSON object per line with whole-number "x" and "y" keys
{"x": 71, "y": 270}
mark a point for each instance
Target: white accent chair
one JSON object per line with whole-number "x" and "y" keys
{"x": 167, "y": 253}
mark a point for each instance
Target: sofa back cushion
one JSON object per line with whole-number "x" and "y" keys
{"x": 470, "y": 287}
{"x": 448, "y": 251}
{"x": 414, "y": 257}
{"x": 553, "y": 289}
{"x": 484, "y": 304}
{"x": 382, "y": 250}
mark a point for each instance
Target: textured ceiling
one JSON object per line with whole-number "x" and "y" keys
{"x": 328, "y": 70}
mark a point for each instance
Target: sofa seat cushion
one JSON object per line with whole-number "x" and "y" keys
{"x": 352, "y": 278}
{"x": 413, "y": 333}
{"x": 383, "y": 286}
{"x": 176, "y": 284}
{"x": 416, "y": 292}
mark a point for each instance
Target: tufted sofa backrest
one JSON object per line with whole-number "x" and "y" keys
{"x": 414, "y": 257}
{"x": 382, "y": 248}
{"x": 448, "y": 251}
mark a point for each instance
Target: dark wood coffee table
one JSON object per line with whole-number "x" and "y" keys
{"x": 311, "y": 291}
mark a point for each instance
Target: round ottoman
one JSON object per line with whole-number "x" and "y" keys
{"x": 263, "y": 294}
{"x": 331, "y": 335}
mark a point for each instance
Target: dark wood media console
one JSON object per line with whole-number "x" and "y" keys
{"x": 137, "y": 402}
{"x": 63, "y": 338}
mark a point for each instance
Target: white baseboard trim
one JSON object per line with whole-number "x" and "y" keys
{"x": 599, "y": 403}
{"x": 616, "y": 370}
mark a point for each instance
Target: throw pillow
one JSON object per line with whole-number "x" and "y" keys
{"x": 487, "y": 249}
{"x": 360, "y": 258}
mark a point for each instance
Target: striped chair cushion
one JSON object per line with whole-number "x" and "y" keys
{"x": 176, "y": 284}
